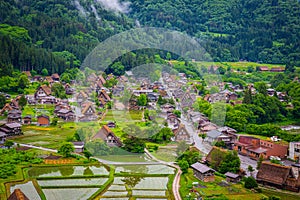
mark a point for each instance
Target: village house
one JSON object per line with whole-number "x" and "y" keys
{"x": 205, "y": 126}
{"x": 27, "y": 119}
{"x": 263, "y": 69}
{"x": 173, "y": 121}
{"x": 66, "y": 114}
{"x": 255, "y": 148}
{"x": 81, "y": 97}
{"x": 42, "y": 92}
{"x": 181, "y": 134}
{"x": 212, "y": 136}
{"x": 11, "y": 129}
{"x": 108, "y": 137}
{"x": 167, "y": 108}
{"x": 6, "y": 108}
{"x": 30, "y": 99}
{"x": 229, "y": 136}
{"x": 294, "y": 151}
{"x": 203, "y": 172}
{"x": 111, "y": 125}
{"x": 14, "y": 103}
{"x": 153, "y": 96}
{"x": 78, "y": 147}
{"x": 2, "y": 137}
{"x": 232, "y": 177}
{"x": 14, "y": 116}
{"x": 49, "y": 100}
{"x": 277, "y": 69}
{"x": 103, "y": 96}
{"x": 49, "y": 80}
{"x": 88, "y": 112}
{"x": 279, "y": 176}
{"x": 69, "y": 90}
{"x": 43, "y": 120}
{"x": 28, "y": 74}
{"x": 55, "y": 77}
{"x": 187, "y": 100}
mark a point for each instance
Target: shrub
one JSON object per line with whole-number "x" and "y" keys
{"x": 250, "y": 183}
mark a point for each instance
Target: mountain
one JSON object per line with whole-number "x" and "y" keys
{"x": 58, "y": 34}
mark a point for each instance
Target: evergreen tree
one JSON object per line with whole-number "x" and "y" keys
{"x": 248, "y": 96}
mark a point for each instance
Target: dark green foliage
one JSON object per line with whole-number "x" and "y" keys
{"x": 54, "y": 121}
{"x": 177, "y": 113}
{"x": 97, "y": 148}
{"x": 163, "y": 136}
{"x": 10, "y": 158}
{"x": 247, "y": 96}
{"x": 134, "y": 145}
{"x": 184, "y": 166}
{"x": 66, "y": 149}
{"x": 22, "y": 101}
{"x": 190, "y": 156}
{"x": 2, "y": 100}
{"x": 250, "y": 182}
{"x": 142, "y": 100}
{"x": 8, "y": 143}
{"x": 219, "y": 143}
{"x": 87, "y": 154}
{"x": 58, "y": 91}
{"x": 231, "y": 163}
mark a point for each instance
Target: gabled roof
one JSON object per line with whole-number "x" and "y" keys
{"x": 201, "y": 167}
{"x": 104, "y": 132}
{"x": 214, "y": 149}
{"x": 82, "y": 93}
{"x": 107, "y": 98}
{"x": 49, "y": 79}
{"x": 101, "y": 79}
{"x": 213, "y": 134}
{"x": 56, "y": 76}
{"x": 17, "y": 195}
{"x": 27, "y": 73}
{"x": 46, "y": 89}
{"x": 13, "y": 125}
{"x": 45, "y": 116}
{"x": 231, "y": 175}
{"x": 87, "y": 106}
{"x": 274, "y": 173}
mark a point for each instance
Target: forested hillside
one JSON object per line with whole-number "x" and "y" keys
{"x": 254, "y": 30}
{"x": 53, "y": 34}
{"x": 57, "y": 34}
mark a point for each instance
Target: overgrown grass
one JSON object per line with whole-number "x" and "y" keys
{"x": 284, "y": 195}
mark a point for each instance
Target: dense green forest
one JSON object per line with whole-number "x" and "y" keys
{"x": 58, "y": 34}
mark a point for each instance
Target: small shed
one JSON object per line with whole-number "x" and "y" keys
{"x": 27, "y": 119}
{"x": 203, "y": 172}
{"x": 43, "y": 120}
{"x": 232, "y": 177}
{"x": 78, "y": 147}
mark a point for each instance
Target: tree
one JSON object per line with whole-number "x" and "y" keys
{"x": 23, "y": 81}
{"x": 164, "y": 135}
{"x": 250, "y": 69}
{"x": 231, "y": 163}
{"x": 184, "y": 166}
{"x": 177, "y": 113}
{"x": 8, "y": 143}
{"x": 2, "y": 100}
{"x": 54, "y": 121}
{"x": 248, "y": 96}
{"x": 250, "y": 169}
{"x": 66, "y": 149}
{"x": 58, "y": 91}
{"x": 142, "y": 100}
{"x": 44, "y": 72}
{"x": 134, "y": 145}
{"x": 98, "y": 148}
{"x": 87, "y": 154}
{"x": 220, "y": 144}
{"x": 22, "y": 101}
{"x": 259, "y": 162}
{"x": 261, "y": 87}
{"x": 250, "y": 182}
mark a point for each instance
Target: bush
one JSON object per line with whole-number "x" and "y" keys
{"x": 250, "y": 182}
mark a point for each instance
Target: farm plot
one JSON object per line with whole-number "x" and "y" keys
{"x": 150, "y": 193}
{"x": 150, "y": 169}
{"x": 28, "y": 189}
{"x": 154, "y": 183}
{"x": 69, "y": 193}
{"x": 72, "y": 182}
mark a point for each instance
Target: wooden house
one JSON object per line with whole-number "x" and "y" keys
{"x": 43, "y": 120}
{"x": 42, "y": 92}
{"x": 173, "y": 121}
{"x": 263, "y": 69}
{"x": 187, "y": 100}
{"x": 88, "y": 112}
{"x": 17, "y": 195}
{"x": 6, "y": 108}
{"x": 104, "y": 96}
{"x": 28, "y": 74}
{"x": 2, "y": 137}
{"x": 212, "y": 136}
{"x": 111, "y": 124}
{"x": 66, "y": 114}
{"x": 181, "y": 134}
{"x": 69, "y": 90}
{"x": 203, "y": 172}
{"x": 14, "y": 116}
{"x": 78, "y": 147}
{"x": 167, "y": 108}
{"x": 11, "y": 129}
{"x": 232, "y": 177}
{"x": 27, "y": 119}
{"x": 278, "y": 176}
{"x": 277, "y": 69}
{"x": 81, "y": 97}
{"x": 55, "y": 77}
{"x": 49, "y": 80}
{"x": 108, "y": 137}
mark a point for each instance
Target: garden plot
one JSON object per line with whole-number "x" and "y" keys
{"x": 154, "y": 183}
{"x": 144, "y": 169}
{"x": 67, "y": 171}
{"x": 114, "y": 198}
{"x": 117, "y": 188}
{"x": 72, "y": 182}
{"x": 118, "y": 181}
{"x": 28, "y": 189}
{"x": 115, "y": 194}
{"x": 150, "y": 193}
{"x": 74, "y": 194}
